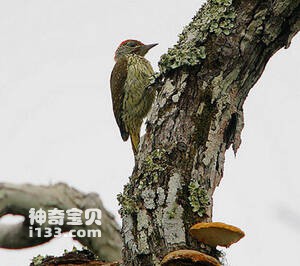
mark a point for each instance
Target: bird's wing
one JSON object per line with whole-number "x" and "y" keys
{"x": 117, "y": 82}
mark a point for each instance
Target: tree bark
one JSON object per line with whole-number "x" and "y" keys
{"x": 197, "y": 115}
{"x": 18, "y": 199}
{"x": 74, "y": 258}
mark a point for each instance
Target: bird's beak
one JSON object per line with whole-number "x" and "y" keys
{"x": 149, "y": 46}
{"x": 146, "y": 47}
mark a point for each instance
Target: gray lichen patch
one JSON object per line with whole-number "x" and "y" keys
{"x": 143, "y": 246}
{"x": 142, "y": 220}
{"x": 173, "y": 226}
{"x": 127, "y": 230}
{"x": 154, "y": 166}
{"x": 148, "y": 195}
{"x": 217, "y": 16}
{"x": 160, "y": 196}
{"x": 143, "y": 228}
{"x": 174, "y": 185}
{"x": 198, "y": 198}
{"x": 172, "y": 219}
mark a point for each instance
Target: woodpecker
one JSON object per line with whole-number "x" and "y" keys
{"x": 131, "y": 96}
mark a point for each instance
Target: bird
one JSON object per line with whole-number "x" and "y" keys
{"x": 129, "y": 83}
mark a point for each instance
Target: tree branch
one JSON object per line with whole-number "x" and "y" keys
{"x": 196, "y": 117}
{"x": 18, "y": 199}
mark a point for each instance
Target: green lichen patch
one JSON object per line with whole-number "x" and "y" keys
{"x": 127, "y": 201}
{"x": 37, "y": 260}
{"x": 154, "y": 165}
{"x": 216, "y": 16}
{"x": 177, "y": 57}
{"x": 172, "y": 212}
{"x": 198, "y": 198}
{"x": 153, "y": 78}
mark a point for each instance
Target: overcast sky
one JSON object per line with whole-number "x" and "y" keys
{"x": 57, "y": 123}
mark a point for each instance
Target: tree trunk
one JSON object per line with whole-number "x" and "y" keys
{"x": 196, "y": 117}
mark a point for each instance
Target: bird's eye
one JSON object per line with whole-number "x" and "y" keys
{"x": 131, "y": 44}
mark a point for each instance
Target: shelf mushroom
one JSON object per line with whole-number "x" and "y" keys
{"x": 188, "y": 258}
{"x": 216, "y": 234}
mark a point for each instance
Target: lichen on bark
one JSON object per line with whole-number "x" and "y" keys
{"x": 198, "y": 198}
{"x": 216, "y": 16}
{"x": 196, "y": 116}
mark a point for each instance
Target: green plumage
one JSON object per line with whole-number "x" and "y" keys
{"x": 131, "y": 96}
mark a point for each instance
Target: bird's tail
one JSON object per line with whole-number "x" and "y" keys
{"x": 135, "y": 140}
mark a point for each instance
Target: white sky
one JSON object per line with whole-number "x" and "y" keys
{"x": 57, "y": 123}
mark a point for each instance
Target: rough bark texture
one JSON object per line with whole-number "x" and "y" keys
{"x": 197, "y": 115}
{"x": 18, "y": 199}
{"x": 74, "y": 258}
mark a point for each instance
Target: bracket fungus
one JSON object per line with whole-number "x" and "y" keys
{"x": 188, "y": 258}
{"x": 216, "y": 234}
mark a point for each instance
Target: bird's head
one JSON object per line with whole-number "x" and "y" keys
{"x": 132, "y": 47}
